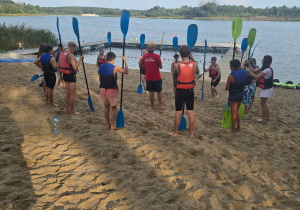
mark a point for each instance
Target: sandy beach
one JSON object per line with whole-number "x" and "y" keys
{"x": 141, "y": 166}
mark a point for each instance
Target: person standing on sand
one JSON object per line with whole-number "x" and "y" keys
{"x": 40, "y": 53}
{"x": 176, "y": 56}
{"x": 236, "y": 85}
{"x": 143, "y": 71}
{"x": 56, "y": 56}
{"x": 68, "y": 67}
{"x": 152, "y": 64}
{"x": 109, "y": 88}
{"x": 265, "y": 82}
{"x": 215, "y": 75}
{"x": 184, "y": 74}
{"x": 49, "y": 66}
{"x": 101, "y": 59}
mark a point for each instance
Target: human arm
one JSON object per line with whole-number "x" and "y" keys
{"x": 72, "y": 60}
{"x": 121, "y": 70}
{"x": 250, "y": 73}
{"x": 53, "y": 63}
{"x": 219, "y": 74}
{"x": 97, "y": 62}
{"x": 230, "y": 80}
{"x": 160, "y": 63}
{"x": 196, "y": 68}
{"x": 176, "y": 71}
{"x": 37, "y": 62}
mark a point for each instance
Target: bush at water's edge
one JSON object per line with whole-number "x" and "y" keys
{"x": 11, "y": 36}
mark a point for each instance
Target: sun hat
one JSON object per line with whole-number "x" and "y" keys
{"x": 151, "y": 46}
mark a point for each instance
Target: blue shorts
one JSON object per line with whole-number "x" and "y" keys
{"x": 237, "y": 97}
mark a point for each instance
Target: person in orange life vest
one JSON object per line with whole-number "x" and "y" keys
{"x": 176, "y": 56}
{"x": 109, "y": 88}
{"x": 56, "y": 55}
{"x": 152, "y": 64}
{"x": 215, "y": 74}
{"x": 265, "y": 82}
{"x": 101, "y": 59}
{"x": 184, "y": 73}
{"x": 236, "y": 84}
{"x": 49, "y": 66}
{"x": 68, "y": 67}
{"x": 143, "y": 71}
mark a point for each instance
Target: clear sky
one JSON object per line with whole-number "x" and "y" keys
{"x": 146, "y": 4}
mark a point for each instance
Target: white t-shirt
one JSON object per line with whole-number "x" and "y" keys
{"x": 268, "y": 73}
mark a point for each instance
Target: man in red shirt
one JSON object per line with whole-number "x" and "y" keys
{"x": 152, "y": 64}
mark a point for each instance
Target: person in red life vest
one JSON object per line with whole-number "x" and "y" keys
{"x": 152, "y": 64}
{"x": 56, "y": 55}
{"x": 184, "y": 73}
{"x": 265, "y": 82}
{"x": 101, "y": 59}
{"x": 215, "y": 75}
{"x": 143, "y": 71}
{"x": 109, "y": 88}
{"x": 68, "y": 67}
{"x": 176, "y": 56}
{"x": 49, "y": 66}
{"x": 236, "y": 84}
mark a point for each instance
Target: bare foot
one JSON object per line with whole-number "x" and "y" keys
{"x": 191, "y": 135}
{"x": 108, "y": 127}
{"x": 217, "y": 96}
{"x": 54, "y": 105}
{"x": 260, "y": 120}
{"x": 173, "y": 134}
{"x": 75, "y": 113}
{"x": 161, "y": 108}
{"x": 230, "y": 131}
{"x": 212, "y": 99}
{"x": 113, "y": 127}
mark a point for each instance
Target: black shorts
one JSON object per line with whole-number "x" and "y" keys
{"x": 154, "y": 86}
{"x": 69, "y": 77}
{"x": 142, "y": 71}
{"x": 236, "y": 97}
{"x": 184, "y": 96}
{"x": 215, "y": 84}
{"x": 50, "y": 79}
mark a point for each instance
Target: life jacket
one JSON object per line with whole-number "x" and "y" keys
{"x": 240, "y": 80}
{"x": 58, "y": 54}
{"x": 102, "y": 60}
{"x": 45, "y": 62}
{"x": 266, "y": 83}
{"x": 107, "y": 78}
{"x": 213, "y": 72}
{"x": 186, "y": 79}
{"x": 64, "y": 66}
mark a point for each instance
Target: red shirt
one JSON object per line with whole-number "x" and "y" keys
{"x": 152, "y": 62}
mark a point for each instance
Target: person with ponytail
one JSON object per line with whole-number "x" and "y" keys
{"x": 265, "y": 82}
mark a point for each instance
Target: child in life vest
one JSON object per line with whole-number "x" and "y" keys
{"x": 215, "y": 75}
{"x": 101, "y": 59}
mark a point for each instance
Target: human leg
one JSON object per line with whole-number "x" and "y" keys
{"x": 106, "y": 114}
{"x": 238, "y": 117}
{"x": 67, "y": 98}
{"x": 191, "y": 115}
{"x": 159, "y": 97}
{"x": 233, "y": 107}
{"x": 113, "y": 117}
{"x": 212, "y": 92}
{"x": 152, "y": 99}
{"x": 72, "y": 97}
{"x": 264, "y": 108}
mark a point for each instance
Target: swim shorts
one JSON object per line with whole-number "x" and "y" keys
{"x": 69, "y": 77}
{"x": 184, "y": 96}
{"x": 154, "y": 86}
{"x": 237, "y": 97}
{"x": 50, "y": 79}
{"x": 108, "y": 96}
{"x": 142, "y": 71}
{"x": 215, "y": 84}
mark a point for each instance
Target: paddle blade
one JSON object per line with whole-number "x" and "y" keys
{"x": 182, "y": 124}
{"x": 226, "y": 119}
{"x": 142, "y": 40}
{"x": 244, "y": 44}
{"x": 75, "y": 27}
{"x": 109, "y": 38}
{"x": 125, "y": 22}
{"x": 57, "y": 25}
{"x": 91, "y": 103}
{"x": 120, "y": 119}
{"x": 236, "y": 29}
{"x": 202, "y": 95}
{"x": 205, "y": 46}
{"x": 242, "y": 111}
{"x": 192, "y": 35}
{"x": 175, "y": 42}
{"x": 162, "y": 39}
{"x": 35, "y": 77}
{"x": 140, "y": 89}
{"x": 251, "y": 37}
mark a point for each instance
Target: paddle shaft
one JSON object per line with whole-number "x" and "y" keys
{"x": 234, "y": 49}
{"x": 203, "y": 72}
{"x": 122, "y": 74}
{"x": 140, "y": 67}
{"x": 87, "y": 85}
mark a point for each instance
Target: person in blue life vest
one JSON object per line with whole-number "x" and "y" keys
{"x": 49, "y": 66}
{"x": 215, "y": 75}
{"x": 56, "y": 55}
{"x": 235, "y": 85}
{"x": 184, "y": 74}
{"x": 68, "y": 67}
{"x": 109, "y": 88}
{"x": 264, "y": 78}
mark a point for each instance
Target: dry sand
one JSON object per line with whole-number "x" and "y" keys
{"x": 141, "y": 166}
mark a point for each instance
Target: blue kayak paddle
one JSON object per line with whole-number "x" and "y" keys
{"x": 35, "y": 77}
{"x": 192, "y": 35}
{"x": 142, "y": 42}
{"x": 57, "y": 25}
{"x": 254, "y": 48}
{"x": 205, "y": 49}
{"x": 244, "y": 47}
{"x": 124, "y": 28}
{"x": 76, "y": 31}
{"x": 175, "y": 43}
{"x": 109, "y": 40}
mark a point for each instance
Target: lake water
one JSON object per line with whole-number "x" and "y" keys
{"x": 278, "y": 39}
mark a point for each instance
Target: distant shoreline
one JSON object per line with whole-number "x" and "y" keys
{"x": 259, "y": 18}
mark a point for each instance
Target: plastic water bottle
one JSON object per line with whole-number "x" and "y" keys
{"x": 56, "y": 125}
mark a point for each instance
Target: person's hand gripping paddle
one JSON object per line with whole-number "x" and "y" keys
{"x": 76, "y": 31}
{"x": 205, "y": 49}
{"x": 109, "y": 40}
{"x": 192, "y": 35}
{"x": 124, "y": 28}
{"x": 236, "y": 30}
{"x": 142, "y": 42}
